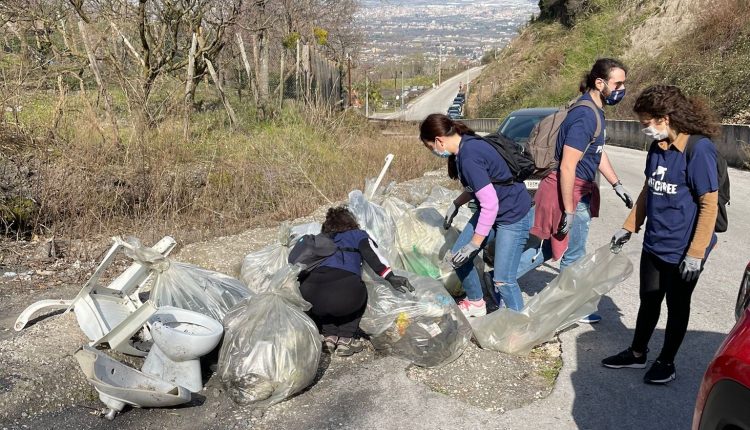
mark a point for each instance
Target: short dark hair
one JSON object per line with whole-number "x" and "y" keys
{"x": 600, "y": 70}
{"x": 339, "y": 219}
{"x": 686, "y": 115}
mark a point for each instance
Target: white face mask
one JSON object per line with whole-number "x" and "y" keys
{"x": 655, "y": 134}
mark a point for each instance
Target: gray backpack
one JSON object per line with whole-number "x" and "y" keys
{"x": 543, "y": 138}
{"x": 312, "y": 249}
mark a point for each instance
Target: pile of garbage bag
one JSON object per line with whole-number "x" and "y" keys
{"x": 260, "y": 266}
{"x": 572, "y": 295}
{"x": 425, "y": 327}
{"x": 271, "y": 348}
{"x": 186, "y": 286}
{"x": 376, "y": 222}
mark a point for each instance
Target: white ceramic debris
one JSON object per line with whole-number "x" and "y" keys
{"x": 119, "y": 385}
{"x": 180, "y": 338}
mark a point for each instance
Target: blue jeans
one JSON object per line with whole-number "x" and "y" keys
{"x": 509, "y": 243}
{"x": 531, "y": 258}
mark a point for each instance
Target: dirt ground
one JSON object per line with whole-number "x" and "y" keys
{"x": 42, "y": 386}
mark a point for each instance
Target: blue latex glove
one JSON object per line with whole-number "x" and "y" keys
{"x": 690, "y": 268}
{"x": 465, "y": 255}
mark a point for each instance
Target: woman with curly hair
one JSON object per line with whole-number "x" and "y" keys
{"x": 335, "y": 288}
{"x": 679, "y": 203}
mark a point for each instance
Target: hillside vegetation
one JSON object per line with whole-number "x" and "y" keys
{"x": 702, "y": 46}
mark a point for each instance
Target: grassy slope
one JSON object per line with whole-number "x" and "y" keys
{"x": 543, "y": 66}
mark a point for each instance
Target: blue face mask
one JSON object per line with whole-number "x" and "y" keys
{"x": 614, "y": 97}
{"x": 443, "y": 154}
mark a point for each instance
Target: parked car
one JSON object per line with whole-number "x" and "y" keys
{"x": 518, "y": 125}
{"x": 724, "y": 395}
{"x": 458, "y": 101}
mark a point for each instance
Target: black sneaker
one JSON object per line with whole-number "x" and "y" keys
{"x": 347, "y": 346}
{"x": 660, "y": 373}
{"x": 625, "y": 359}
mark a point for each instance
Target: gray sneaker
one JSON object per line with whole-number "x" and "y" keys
{"x": 329, "y": 344}
{"x": 347, "y": 346}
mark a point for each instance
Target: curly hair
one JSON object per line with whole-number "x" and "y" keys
{"x": 339, "y": 219}
{"x": 686, "y": 115}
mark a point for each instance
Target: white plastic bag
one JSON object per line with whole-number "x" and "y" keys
{"x": 426, "y": 327}
{"x": 376, "y": 222}
{"x": 261, "y": 265}
{"x": 187, "y": 286}
{"x": 271, "y": 348}
{"x": 574, "y": 294}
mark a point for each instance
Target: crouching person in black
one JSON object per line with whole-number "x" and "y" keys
{"x": 335, "y": 287}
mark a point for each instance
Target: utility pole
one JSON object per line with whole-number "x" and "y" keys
{"x": 402, "y": 86}
{"x": 440, "y": 63}
{"x": 367, "y": 96}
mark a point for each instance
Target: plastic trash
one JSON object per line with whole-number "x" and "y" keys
{"x": 423, "y": 244}
{"x": 271, "y": 348}
{"x": 260, "y": 266}
{"x": 426, "y": 327}
{"x": 574, "y": 294}
{"x": 187, "y": 286}
{"x": 377, "y": 223}
{"x": 440, "y": 198}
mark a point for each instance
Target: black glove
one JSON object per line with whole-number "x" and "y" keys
{"x": 449, "y": 215}
{"x": 565, "y": 223}
{"x": 399, "y": 283}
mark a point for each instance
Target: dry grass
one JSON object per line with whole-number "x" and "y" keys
{"x": 218, "y": 182}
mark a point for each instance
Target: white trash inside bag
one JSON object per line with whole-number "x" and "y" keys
{"x": 271, "y": 348}
{"x": 574, "y": 294}
{"x": 187, "y": 286}
{"x": 425, "y": 327}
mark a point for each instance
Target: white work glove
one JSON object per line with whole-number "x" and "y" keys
{"x": 620, "y": 238}
{"x": 465, "y": 255}
{"x": 690, "y": 268}
{"x": 565, "y": 223}
{"x": 623, "y": 194}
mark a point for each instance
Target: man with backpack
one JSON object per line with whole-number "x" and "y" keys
{"x": 568, "y": 197}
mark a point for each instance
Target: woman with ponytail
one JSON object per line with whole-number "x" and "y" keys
{"x": 679, "y": 203}
{"x": 503, "y": 210}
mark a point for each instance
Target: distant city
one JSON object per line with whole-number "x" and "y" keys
{"x": 460, "y": 29}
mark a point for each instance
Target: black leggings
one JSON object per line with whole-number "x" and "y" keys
{"x": 659, "y": 279}
{"x": 338, "y": 299}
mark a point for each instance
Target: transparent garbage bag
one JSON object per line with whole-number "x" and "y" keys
{"x": 425, "y": 327}
{"x": 574, "y": 294}
{"x": 271, "y": 348}
{"x": 188, "y": 286}
{"x": 441, "y": 198}
{"x": 376, "y": 222}
{"x": 423, "y": 245}
{"x": 382, "y": 191}
{"x": 259, "y": 266}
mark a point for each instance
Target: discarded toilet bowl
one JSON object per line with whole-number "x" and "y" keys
{"x": 119, "y": 385}
{"x": 180, "y": 338}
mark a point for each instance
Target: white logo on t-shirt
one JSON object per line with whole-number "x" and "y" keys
{"x": 658, "y": 186}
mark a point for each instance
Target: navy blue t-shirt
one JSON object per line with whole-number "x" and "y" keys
{"x": 347, "y": 260}
{"x": 577, "y": 130}
{"x": 674, "y": 187}
{"x": 478, "y": 165}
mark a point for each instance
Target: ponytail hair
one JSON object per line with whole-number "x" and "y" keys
{"x": 600, "y": 70}
{"x": 686, "y": 115}
{"x": 437, "y": 124}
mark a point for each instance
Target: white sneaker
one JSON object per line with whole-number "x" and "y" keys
{"x": 473, "y": 308}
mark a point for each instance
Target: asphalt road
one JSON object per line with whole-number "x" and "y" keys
{"x": 586, "y": 395}
{"x": 437, "y": 100}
